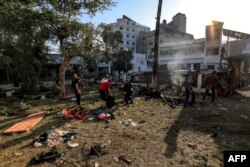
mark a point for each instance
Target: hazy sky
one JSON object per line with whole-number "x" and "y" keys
{"x": 234, "y": 13}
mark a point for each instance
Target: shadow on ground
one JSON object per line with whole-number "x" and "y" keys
{"x": 226, "y": 122}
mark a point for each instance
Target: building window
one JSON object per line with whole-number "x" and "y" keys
{"x": 133, "y": 24}
{"x": 133, "y": 43}
{"x": 127, "y": 29}
{"x": 127, "y": 36}
{"x": 216, "y": 51}
{"x": 133, "y": 48}
{"x": 188, "y": 66}
{"x": 197, "y": 66}
{"x": 133, "y": 30}
{"x": 121, "y": 28}
{"x": 213, "y": 51}
{"x": 127, "y": 42}
{"x": 210, "y": 67}
{"x": 121, "y": 41}
{"x": 150, "y": 43}
{"x": 133, "y": 36}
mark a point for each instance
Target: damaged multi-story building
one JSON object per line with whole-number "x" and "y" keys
{"x": 194, "y": 54}
{"x": 237, "y": 49}
{"x": 130, "y": 30}
{"x": 173, "y": 31}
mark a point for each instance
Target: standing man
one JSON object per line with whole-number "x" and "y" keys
{"x": 127, "y": 89}
{"x": 189, "y": 89}
{"x": 211, "y": 82}
{"x": 76, "y": 88}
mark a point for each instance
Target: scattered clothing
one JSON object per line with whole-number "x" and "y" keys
{"x": 78, "y": 112}
{"x": 56, "y": 137}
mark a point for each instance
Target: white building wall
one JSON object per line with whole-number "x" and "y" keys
{"x": 139, "y": 63}
{"x": 193, "y": 56}
{"x": 130, "y": 31}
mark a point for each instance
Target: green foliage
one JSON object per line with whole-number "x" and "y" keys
{"x": 111, "y": 40}
{"x": 26, "y": 26}
{"x": 120, "y": 60}
{"x": 23, "y": 41}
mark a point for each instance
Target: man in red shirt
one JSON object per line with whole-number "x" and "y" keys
{"x": 105, "y": 91}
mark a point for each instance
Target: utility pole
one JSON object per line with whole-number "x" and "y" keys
{"x": 156, "y": 46}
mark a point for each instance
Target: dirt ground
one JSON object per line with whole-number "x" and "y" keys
{"x": 188, "y": 137}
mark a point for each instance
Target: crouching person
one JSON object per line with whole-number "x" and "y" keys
{"x": 105, "y": 91}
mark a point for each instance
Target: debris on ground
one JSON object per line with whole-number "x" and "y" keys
{"x": 72, "y": 144}
{"x": 97, "y": 150}
{"x": 243, "y": 116}
{"x": 225, "y": 109}
{"x": 26, "y": 124}
{"x": 18, "y": 153}
{"x": 142, "y": 122}
{"x": 55, "y": 137}
{"x": 78, "y": 112}
{"x": 191, "y": 145}
{"x": 128, "y": 123}
{"x": 44, "y": 157}
{"x": 116, "y": 159}
{"x": 97, "y": 164}
{"x": 124, "y": 159}
{"x": 37, "y": 144}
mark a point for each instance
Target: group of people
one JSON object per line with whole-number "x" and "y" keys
{"x": 210, "y": 84}
{"x": 105, "y": 91}
{"x": 106, "y": 94}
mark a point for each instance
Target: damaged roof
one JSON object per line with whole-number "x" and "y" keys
{"x": 235, "y": 34}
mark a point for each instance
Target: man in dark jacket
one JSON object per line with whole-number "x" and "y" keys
{"x": 127, "y": 89}
{"x": 211, "y": 82}
{"x": 76, "y": 88}
{"x": 189, "y": 89}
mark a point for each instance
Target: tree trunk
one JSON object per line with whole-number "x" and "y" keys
{"x": 63, "y": 67}
{"x": 156, "y": 46}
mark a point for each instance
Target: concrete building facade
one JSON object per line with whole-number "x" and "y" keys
{"x": 174, "y": 31}
{"x": 130, "y": 30}
{"x": 239, "y": 50}
{"x": 194, "y": 54}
